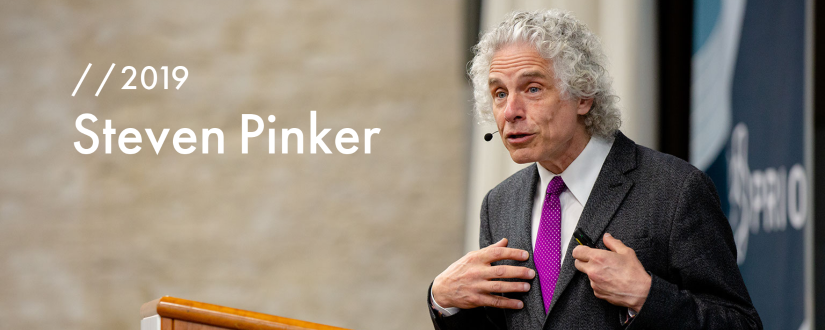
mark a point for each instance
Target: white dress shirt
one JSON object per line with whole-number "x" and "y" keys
{"x": 579, "y": 176}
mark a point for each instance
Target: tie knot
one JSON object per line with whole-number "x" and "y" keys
{"x": 556, "y": 186}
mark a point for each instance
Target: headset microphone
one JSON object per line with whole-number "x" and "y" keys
{"x": 489, "y": 136}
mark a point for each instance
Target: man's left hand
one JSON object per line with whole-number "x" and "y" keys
{"x": 616, "y": 275}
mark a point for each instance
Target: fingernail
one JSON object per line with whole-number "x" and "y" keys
{"x": 524, "y": 255}
{"x": 520, "y": 305}
{"x": 531, "y": 273}
{"x": 526, "y": 286}
{"x": 608, "y": 235}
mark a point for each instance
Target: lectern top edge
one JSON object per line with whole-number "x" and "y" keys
{"x": 175, "y": 310}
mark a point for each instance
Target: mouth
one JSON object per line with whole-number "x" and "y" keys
{"x": 519, "y": 137}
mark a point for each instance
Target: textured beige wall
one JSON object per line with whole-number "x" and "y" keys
{"x": 347, "y": 240}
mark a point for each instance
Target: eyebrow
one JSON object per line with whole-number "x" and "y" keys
{"x": 534, "y": 74}
{"x": 528, "y": 74}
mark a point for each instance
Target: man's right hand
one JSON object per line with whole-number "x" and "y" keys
{"x": 468, "y": 282}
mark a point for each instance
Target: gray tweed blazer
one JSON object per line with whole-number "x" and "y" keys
{"x": 662, "y": 207}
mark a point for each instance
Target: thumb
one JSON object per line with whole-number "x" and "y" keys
{"x": 613, "y": 244}
{"x": 501, "y": 243}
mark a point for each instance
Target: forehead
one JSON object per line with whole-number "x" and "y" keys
{"x": 515, "y": 60}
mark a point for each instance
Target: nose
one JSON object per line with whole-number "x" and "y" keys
{"x": 515, "y": 108}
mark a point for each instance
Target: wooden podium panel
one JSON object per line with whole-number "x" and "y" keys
{"x": 170, "y": 313}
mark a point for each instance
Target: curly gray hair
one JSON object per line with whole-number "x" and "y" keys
{"x": 577, "y": 57}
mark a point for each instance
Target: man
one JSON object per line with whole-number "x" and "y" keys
{"x": 664, "y": 255}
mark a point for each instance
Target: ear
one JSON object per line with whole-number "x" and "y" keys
{"x": 584, "y": 106}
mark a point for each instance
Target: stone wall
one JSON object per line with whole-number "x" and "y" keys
{"x": 347, "y": 240}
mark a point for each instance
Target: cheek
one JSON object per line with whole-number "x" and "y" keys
{"x": 565, "y": 116}
{"x": 497, "y": 112}
{"x": 499, "y": 121}
{"x": 547, "y": 121}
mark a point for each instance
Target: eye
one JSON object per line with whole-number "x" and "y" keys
{"x": 501, "y": 94}
{"x": 533, "y": 89}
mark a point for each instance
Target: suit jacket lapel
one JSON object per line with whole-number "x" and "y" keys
{"x": 607, "y": 195}
{"x": 521, "y": 238}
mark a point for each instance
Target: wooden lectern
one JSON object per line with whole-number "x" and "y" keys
{"x": 170, "y": 313}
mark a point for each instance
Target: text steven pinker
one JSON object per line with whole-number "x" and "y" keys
{"x": 346, "y": 140}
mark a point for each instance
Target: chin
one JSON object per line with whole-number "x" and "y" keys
{"x": 522, "y": 157}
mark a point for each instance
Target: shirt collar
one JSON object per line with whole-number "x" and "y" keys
{"x": 581, "y": 174}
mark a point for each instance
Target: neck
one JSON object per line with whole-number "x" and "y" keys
{"x": 574, "y": 147}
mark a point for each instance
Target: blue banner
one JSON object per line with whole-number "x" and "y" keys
{"x": 748, "y": 134}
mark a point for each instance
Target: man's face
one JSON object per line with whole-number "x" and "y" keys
{"x": 535, "y": 122}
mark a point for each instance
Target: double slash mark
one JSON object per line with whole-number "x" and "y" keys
{"x": 84, "y": 77}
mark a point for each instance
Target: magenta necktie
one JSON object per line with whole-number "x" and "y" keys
{"x": 547, "y": 254}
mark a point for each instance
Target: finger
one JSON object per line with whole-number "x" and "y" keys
{"x": 496, "y": 253}
{"x": 613, "y": 244}
{"x": 502, "y": 243}
{"x": 582, "y": 266}
{"x": 501, "y": 302}
{"x": 502, "y": 287}
{"x": 510, "y": 272}
{"x": 582, "y": 253}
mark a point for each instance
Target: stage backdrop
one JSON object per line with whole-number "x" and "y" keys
{"x": 748, "y": 133}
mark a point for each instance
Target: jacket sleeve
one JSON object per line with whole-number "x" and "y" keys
{"x": 481, "y": 318}
{"x": 703, "y": 288}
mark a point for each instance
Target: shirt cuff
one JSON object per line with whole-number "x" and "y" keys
{"x": 449, "y": 311}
